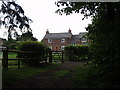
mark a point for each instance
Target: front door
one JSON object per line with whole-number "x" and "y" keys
{"x": 56, "y": 48}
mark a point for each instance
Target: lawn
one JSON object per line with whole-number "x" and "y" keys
{"x": 12, "y": 55}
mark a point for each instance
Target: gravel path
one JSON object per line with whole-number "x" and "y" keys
{"x": 44, "y": 80}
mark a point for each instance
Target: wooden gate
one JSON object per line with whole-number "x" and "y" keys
{"x": 58, "y": 56}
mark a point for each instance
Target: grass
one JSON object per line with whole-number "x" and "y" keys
{"x": 12, "y": 55}
{"x": 80, "y": 76}
{"x": 61, "y": 73}
{"x": 14, "y": 75}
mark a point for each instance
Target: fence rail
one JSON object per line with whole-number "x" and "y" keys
{"x": 49, "y": 56}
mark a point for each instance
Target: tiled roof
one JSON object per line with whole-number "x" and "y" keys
{"x": 57, "y": 35}
{"x": 74, "y": 39}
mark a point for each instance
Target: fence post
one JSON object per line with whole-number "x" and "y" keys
{"x": 46, "y": 56}
{"x": 18, "y": 60}
{"x": 45, "y": 59}
{"x": 62, "y": 57}
{"x": 50, "y": 56}
{"x": 5, "y": 58}
{"x": 72, "y": 55}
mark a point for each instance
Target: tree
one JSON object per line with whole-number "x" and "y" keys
{"x": 104, "y": 31}
{"x": 12, "y": 16}
{"x": 92, "y": 9}
{"x": 13, "y": 44}
{"x": 28, "y": 36}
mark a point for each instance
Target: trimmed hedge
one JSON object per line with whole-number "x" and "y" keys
{"x": 74, "y": 53}
{"x": 32, "y": 46}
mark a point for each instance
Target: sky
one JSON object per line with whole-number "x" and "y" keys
{"x": 42, "y": 13}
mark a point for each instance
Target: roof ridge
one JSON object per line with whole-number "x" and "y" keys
{"x": 60, "y": 33}
{"x": 76, "y": 35}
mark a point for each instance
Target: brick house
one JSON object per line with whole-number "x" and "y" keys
{"x": 57, "y": 41}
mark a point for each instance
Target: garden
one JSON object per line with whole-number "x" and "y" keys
{"x": 31, "y": 67}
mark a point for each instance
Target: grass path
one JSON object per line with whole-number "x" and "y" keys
{"x": 63, "y": 75}
{"x": 60, "y": 77}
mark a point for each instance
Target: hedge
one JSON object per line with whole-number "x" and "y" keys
{"x": 32, "y": 46}
{"x": 73, "y": 53}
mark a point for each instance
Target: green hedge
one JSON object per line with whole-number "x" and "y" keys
{"x": 74, "y": 53}
{"x": 32, "y": 46}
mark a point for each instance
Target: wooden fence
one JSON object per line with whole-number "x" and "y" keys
{"x": 49, "y": 56}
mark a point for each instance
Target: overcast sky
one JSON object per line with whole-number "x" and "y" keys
{"x": 42, "y": 12}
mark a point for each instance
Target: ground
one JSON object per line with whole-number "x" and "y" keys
{"x": 50, "y": 80}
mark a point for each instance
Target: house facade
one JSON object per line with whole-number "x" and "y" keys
{"x": 57, "y": 41}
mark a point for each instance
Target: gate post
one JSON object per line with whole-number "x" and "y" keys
{"x": 62, "y": 57}
{"x": 5, "y": 58}
{"x": 50, "y": 56}
{"x": 46, "y": 56}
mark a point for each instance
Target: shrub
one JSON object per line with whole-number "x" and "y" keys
{"x": 73, "y": 53}
{"x": 32, "y": 46}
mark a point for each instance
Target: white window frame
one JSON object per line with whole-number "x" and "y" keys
{"x": 49, "y": 40}
{"x": 63, "y": 40}
{"x": 62, "y": 47}
{"x": 84, "y": 40}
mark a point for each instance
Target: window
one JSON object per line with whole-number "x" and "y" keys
{"x": 84, "y": 40}
{"x": 50, "y": 47}
{"x": 62, "y": 47}
{"x": 49, "y": 40}
{"x": 62, "y": 40}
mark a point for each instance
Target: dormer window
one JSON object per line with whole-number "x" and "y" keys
{"x": 62, "y": 40}
{"x": 49, "y": 40}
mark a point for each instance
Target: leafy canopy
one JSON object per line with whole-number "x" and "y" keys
{"x": 12, "y": 16}
{"x": 104, "y": 31}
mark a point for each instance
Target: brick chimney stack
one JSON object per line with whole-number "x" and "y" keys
{"x": 47, "y": 32}
{"x": 69, "y": 30}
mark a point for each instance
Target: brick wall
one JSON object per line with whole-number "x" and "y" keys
{"x": 56, "y": 43}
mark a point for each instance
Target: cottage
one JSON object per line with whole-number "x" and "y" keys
{"x": 57, "y": 41}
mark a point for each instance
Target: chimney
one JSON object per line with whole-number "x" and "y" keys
{"x": 47, "y": 32}
{"x": 69, "y": 30}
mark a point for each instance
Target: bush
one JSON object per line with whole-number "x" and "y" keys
{"x": 32, "y": 46}
{"x": 73, "y": 53}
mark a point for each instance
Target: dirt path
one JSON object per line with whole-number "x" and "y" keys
{"x": 44, "y": 80}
